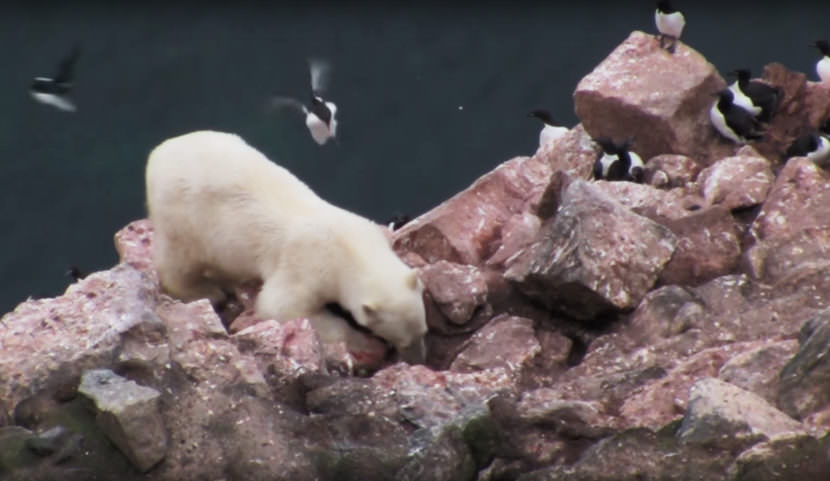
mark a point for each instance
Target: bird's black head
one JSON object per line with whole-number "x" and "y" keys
{"x": 607, "y": 144}
{"x": 542, "y": 115}
{"x": 725, "y": 97}
{"x": 665, "y": 6}
{"x": 742, "y": 74}
{"x": 823, "y": 46}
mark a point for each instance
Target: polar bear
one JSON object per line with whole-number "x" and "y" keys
{"x": 223, "y": 213}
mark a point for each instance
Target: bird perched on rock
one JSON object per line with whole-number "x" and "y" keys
{"x": 55, "y": 91}
{"x": 815, "y": 145}
{"x": 733, "y": 122}
{"x": 320, "y": 116}
{"x": 397, "y": 221}
{"x": 617, "y": 161}
{"x": 550, "y": 131}
{"x": 670, "y": 23}
{"x": 756, "y": 97}
{"x": 823, "y": 65}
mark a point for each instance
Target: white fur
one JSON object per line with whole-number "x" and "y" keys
{"x": 741, "y": 100}
{"x": 223, "y": 213}
{"x": 823, "y": 69}
{"x": 719, "y": 122}
{"x": 551, "y": 133}
{"x": 670, "y": 24}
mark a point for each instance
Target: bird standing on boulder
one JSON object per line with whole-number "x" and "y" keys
{"x": 733, "y": 122}
{"x": 617, "y": 162}
{"x": 670, "y": 23}
{"x": 550, "y": 132}
{"x": 55, "y": 91}
{"x": 758, "y": 98}
{"x": 823, "y": 65}
{"x": 320, "y": 117}
{"x": 815, "y": 145}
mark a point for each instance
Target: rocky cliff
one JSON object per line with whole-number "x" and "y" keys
{"x": 579, "y": 330}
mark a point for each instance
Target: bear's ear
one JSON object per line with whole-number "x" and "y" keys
{"x": 412, "y": 279}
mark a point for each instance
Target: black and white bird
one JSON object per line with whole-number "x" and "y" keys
{"x": 617, "y": 161}
{"x": 758, "y": 98}
{"x": 550, "y": 131}
{"x": 733, "y": 122}
{"x": 670, "y": 23}
{"x": 54, "y": 91}
{"x": 320, "y": 116}
{"x": 823, "y": 65}
{"x": 397, "y": 221}
{"x": 815, "y": 145}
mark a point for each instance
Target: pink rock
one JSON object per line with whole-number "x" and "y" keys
{"x": 133, "y": 244}
{"x": 737, "y": 181}
{"x": 708, "y": 246}
{"x": 506, "y": 342}
{"x": 458, "y": 290}
{"x": 594, "y": 255}
{"x": 664, "y": 400}
{"x": 46, "y": 341}
{"x": 573, "y": 154}
{"x": 667, "y": 171}
{"x": 661, "y": 101}
{"x": 517, "y": 233}
{"x": 656, "y": 204}
{"x": 777, "y": 260}
{"x": 798, "y": 200}
{"x": 466, "y": 229}
{"x": 288, "y": 349}
{"x": 757, "y": 369}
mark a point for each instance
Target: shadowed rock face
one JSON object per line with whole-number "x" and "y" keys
{"x": 579, "y": 329}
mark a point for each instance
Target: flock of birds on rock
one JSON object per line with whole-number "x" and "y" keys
{"x": 739, "y": 114}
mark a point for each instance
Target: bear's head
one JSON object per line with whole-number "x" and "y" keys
{"x": 395, "y": 312}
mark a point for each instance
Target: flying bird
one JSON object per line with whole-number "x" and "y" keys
{"x": 815, "y": 145}
{"x": 320, "y": 115}
{"x": 617, "y": 161}
{"x": 733, "y": 122}
{"x": 758, "y": 98}
{"x": 823, "y": 65}
{"x": 670, "y": 23}
{"x": 55, "y": 91}
{"x": 550, "y": 131}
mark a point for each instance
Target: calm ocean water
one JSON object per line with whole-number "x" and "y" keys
{"x": 430, "y": 98}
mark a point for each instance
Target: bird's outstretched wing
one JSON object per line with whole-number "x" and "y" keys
{"x": 320, "y": 72}
{"x": 277, "y": 102}
{"x": 67, "y": 66}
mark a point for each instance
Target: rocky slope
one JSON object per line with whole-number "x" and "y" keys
{"x": 579, "y": 329}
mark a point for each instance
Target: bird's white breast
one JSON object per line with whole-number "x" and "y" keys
{"x": 670, "y": 24}
{"x": 62, "y": 103}
{"x": 606, "y": 161}
{"x": 719, "y": 122}
{"x": 742, "y": 101}
{"x": 822, "y": 154}
{"x": 823, "y": 69}
{"x": 551, "y": 133}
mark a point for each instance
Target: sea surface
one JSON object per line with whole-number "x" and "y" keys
{"x": 430, "y": 97}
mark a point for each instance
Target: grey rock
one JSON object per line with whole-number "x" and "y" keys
{"x": 128, "y": 414}
{"x": 723, "y": 415}
{"x": 805, "y": 379}
{"x": 757, "y": 369}
{"x": 787, "y": 456}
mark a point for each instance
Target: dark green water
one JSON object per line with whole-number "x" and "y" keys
{"x": 151, "y": 72}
